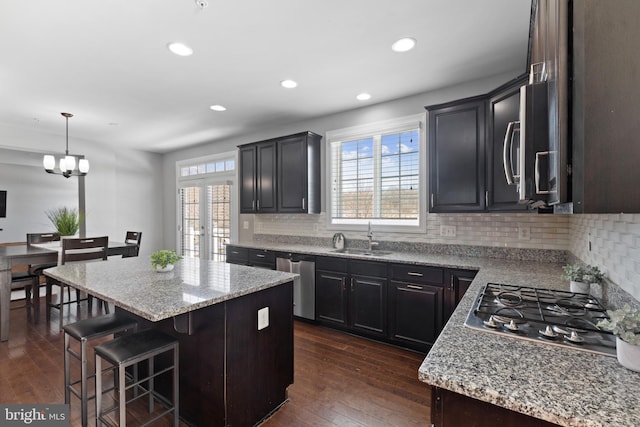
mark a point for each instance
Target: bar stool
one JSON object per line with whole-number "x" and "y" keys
{"x": 85, "y": 331}
{"x": 128, "y": 350}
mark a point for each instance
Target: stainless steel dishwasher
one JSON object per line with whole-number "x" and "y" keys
{"x": 304, "y": 287}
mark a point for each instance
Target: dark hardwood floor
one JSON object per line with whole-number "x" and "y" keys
{"x": 340, "y": 380}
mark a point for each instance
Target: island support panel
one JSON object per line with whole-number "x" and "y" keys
{"x": 231, "y": 373}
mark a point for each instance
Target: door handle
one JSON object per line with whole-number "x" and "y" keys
{"x": 507, "y": 148}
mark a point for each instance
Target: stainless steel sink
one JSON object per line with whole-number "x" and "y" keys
{"x": 354, "y": 251}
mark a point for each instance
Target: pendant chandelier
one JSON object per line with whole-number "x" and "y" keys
{"x": 67, "y": 164}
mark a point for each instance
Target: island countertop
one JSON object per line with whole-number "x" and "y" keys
{"x": 132, "y": 284}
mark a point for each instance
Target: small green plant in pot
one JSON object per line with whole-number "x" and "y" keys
{"x": 65, "y": 220}
{"x": 164, "y": 259}
{"x": 624, "y": 323}
{"x": 575, "y": 274}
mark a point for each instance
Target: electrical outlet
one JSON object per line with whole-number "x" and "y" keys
{"x": 524, "y": 233}
{"x": 448, "y": 230}
{"x": 263, "y": 318}
{"x": 245, "y": 225}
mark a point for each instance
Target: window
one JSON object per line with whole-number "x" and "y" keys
{"x": 375, "y": 173}
{"x": 207, "y": 217}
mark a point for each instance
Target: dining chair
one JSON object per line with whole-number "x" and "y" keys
{"x": 36, "y": 270}
{"x": 133, "y": 237}
{"x": 76, "y": 250}
{"x": 24, "y": 280}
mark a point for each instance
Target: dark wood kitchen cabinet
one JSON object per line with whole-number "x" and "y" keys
{"x": 449, "y": 409}
{"x": 258, "y": 178}
{"x": 457, "y": 156}
{"x": 352, "y": 295}
{"x": 458, "y": 283}
{"x": 416, "y": 305}
{"x": 281, "y": 175}
{"x": 236, "y": 255}
{"x": 299, "y": 173}
{"x": 605, "y": 130}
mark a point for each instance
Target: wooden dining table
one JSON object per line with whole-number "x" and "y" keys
{"x": 24, "y": 255}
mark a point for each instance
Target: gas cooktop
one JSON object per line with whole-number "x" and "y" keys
{"x": 548, "y": 316}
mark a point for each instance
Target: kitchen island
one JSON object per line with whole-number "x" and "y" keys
{"x": 233, "y": 371}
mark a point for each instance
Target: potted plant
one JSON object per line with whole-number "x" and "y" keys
{"x": 625, "y": 325}
{"x": 575, "y": 274}
{"x": 65, "y": 220}
{"x": 164, "y": 260}
{"x": 595, "y": 278}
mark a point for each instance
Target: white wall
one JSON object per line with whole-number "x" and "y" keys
{"x": 124, "y": 188}
{"x": 388, "y": 110}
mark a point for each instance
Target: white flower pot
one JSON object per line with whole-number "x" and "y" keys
{"x": 628, "y": 355}
{"x": 169, "y": 267}
{"x": 579, "y": 287}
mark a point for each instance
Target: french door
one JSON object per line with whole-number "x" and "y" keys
{"x": 205, "y": 215}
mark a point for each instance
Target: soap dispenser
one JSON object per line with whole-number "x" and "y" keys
{"x": 338, "y": 241}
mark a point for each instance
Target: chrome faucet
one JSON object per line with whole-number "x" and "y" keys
{"x": 370, "y": 237}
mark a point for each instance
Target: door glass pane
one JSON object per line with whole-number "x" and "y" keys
{"x": 190, "y": 227}
{"x": 219, "y": 214}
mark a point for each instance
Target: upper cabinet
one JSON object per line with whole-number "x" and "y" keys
{"x": 606, "y": 107}
{"x": 466, "y": 140}
{"x": 281, "y": 175}
{"x": 457, "y": 156}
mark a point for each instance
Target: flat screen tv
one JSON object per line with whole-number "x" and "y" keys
{"x": 3, "y": 203}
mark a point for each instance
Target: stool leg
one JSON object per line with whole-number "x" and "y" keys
{"x": 83, "y": 380}
{"x": 98, "y": 389}
{"x": 176, "y": 388}
{"x": 67, "y": 370}
{"x": 47, "y": 299}
{"x": 35, "y": 299}
{"x": 151, "y": 384}
{"x": 61, "y": 310}
{"x": 122, "y": 403}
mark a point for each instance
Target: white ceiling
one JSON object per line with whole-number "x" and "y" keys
{"x": 107, "y": 62}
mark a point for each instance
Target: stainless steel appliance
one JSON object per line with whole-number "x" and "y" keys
{"x": 304, "y": 287}
{"x": 536, "y": 155}
{"x": 546, "y": 316}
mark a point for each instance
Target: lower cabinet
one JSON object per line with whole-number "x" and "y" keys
{"x": 449, "y": 409}
{"x": 350, "y": 300}
{"x": 459, "y": 281}
{"x": 415, "y": 314}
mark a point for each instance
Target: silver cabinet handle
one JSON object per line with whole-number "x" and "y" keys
{"x": 253, "y": 205}
{"x": 411, "y": 273}
{"x": 260, "y": 255}
{"x": 432, "y": 200}
{"x": 507, "y": 152}
{"x": 486, "y": 198}
{"x": 258, "y": 204}
{"x": 414, "y": 287}
{"x": 235, "y": 252}
{"x": 303, "y": 204}
{"x": 537, "y": 171}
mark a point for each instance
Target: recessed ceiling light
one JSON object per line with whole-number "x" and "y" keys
{"x": 289, "y": 84}
{"x": 218, "y": 108}
{"x": 180, "y": 49}
{"x": 363, "y": 97}
{"x": 404, "y": 44}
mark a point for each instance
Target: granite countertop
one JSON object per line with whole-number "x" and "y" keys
{"x": 560, "y": 385}
{"x": 132, "y": 284}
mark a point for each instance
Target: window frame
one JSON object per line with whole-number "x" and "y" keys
{"x": 373, "y": 130}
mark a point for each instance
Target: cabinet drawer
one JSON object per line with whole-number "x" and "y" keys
{"x": 368, "y": 268}
{"x": 417, "y": 274}
{"x": 331, "y": 264}
{"x": 262, "y": 257}
{"x": 237, "y": 255}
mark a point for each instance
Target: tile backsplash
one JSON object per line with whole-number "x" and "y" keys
{"x": 491, "y": 229}
{"x": 610, "y": 241}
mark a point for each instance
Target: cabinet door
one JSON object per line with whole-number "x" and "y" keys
{"x": 415, "y": 314}
{"x": 331, "y": 301}
{"x": 504, "y": 107}
{"x": 248, "y": 175}
{"x": 237, "y": 255}
{"x": 458, "y": 283}
{"x": 368, "y": 304}
{"x": 292, "y": 174}
{"x": 266, "y": 178}
{"x": 457, "y": 156}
